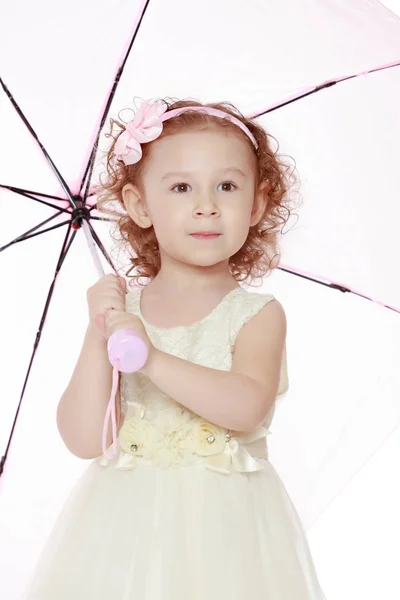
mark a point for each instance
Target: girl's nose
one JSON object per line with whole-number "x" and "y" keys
{"x": 205, "y": 207}
{"x": 206, "y": 212}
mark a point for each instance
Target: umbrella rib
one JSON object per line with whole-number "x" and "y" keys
{"x": 322, "y": 86}
{"x": 337, "y": 286}
{"x": 22, "y": 191}
{"x": 57, "y": 173}
{"x": 102, "y": 219}
{"x": 25, "y": 235}
{"x": 27, "y": 194}
{"x": 94, "y": 207}
{"x": 64, "y": 250}
{"x": 87, "y": 176}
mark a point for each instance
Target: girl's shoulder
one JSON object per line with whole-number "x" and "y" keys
{"x": 245, "y": 305}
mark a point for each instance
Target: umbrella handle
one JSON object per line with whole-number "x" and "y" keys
{"x": 127, "y": 351}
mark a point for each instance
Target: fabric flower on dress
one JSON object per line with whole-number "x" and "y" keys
{"x": 208, "y": 439}
{"x": 177, "y": 437}
{"x": 137, "y": 438}
{"x": 174, "y": 448}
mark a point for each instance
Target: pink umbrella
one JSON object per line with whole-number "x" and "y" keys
{"x": 323, "y": 78}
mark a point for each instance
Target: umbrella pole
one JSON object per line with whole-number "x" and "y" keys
{"x": 92, "y": 249}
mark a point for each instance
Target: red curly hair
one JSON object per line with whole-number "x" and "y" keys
{"x": 259, "y": 255}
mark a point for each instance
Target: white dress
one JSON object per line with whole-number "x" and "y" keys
{"x": 185, "y": 511}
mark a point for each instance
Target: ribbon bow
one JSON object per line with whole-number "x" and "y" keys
{"x": 236, "y": 457}
{"x": 145, "y": 126}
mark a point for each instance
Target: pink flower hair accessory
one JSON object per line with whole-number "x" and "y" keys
{"x": 147, "y": 125}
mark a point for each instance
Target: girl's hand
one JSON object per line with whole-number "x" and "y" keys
{"x": 108, "y": 292}
{"x": 123, "y": 320}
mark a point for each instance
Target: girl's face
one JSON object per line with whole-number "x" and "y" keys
{"x": 195, "y": 182}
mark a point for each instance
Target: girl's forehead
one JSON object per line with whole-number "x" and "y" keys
{"x": 196, "y": 147}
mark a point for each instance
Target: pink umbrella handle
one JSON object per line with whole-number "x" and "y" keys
{"x": 127, "y": 353}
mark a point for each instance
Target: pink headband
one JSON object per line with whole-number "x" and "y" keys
{"x": 147, "y": 125}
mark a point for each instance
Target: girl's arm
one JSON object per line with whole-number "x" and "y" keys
{"x": 239, "y": 399}
{"x": 82, "y": 408}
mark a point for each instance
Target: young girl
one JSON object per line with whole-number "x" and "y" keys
{"x": 190, "y": 508}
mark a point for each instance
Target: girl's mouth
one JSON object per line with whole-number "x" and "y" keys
{"x": 203, "y": 235}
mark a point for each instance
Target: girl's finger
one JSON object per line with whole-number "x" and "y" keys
{"x": 114, "y": 298}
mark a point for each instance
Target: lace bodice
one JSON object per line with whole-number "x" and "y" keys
{"x": 208, "y": 342}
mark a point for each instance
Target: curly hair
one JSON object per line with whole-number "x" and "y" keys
{"x": 260, "y": 253}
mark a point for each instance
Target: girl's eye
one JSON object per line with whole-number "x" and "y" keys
{"x": 227, "y": 186}
{"x": 181, "y": 188}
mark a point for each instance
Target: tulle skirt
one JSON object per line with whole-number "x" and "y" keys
{"x": 184, "y": 533}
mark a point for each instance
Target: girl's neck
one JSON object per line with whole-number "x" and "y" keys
{"x": 217, "y": 277}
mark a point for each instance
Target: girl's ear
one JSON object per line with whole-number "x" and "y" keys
{"x": 135, "y": 206}
{"x": 260, "y": 203}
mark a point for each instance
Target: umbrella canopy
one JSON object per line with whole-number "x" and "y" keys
{"x": 311, "y": 74}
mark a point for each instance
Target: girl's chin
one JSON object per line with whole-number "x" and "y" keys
{"x": 202, "y": 258}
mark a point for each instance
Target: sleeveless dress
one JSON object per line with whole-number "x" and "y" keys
{"x": 187, "y": 510}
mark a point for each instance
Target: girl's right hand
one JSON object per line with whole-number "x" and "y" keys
{"x": 107, "y": 293}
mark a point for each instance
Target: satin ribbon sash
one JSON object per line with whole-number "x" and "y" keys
{"x": 240, "y": 452}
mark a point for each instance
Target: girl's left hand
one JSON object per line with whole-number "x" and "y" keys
{"x": 115, "y": 320}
